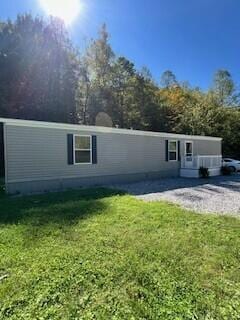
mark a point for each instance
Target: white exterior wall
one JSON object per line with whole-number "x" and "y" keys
{"x": 36, "y": 154}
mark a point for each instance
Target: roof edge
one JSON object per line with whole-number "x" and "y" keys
{"x": 67, "y": 126}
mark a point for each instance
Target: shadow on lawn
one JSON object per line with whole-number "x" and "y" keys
{"x": 59, "y": 207}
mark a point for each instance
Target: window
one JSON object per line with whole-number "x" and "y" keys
{"x": 188, "y": 150}
{"x": 82, "y": 149}
{"x": 172, "y": 150}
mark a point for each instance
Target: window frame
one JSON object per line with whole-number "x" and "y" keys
{"x": 176, "y": 142}
{"x": 77, "y": 149}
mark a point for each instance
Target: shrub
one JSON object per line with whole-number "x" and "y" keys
{"x": 226, "y": 171}
{"x": 203, "y": 172}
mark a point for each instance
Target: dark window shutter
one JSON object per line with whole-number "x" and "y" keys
{"x": 94, "y": 149}
{"x": 70, "y": 148}
{"x": 179, "y": 151}
{"x": 166, "y": 150}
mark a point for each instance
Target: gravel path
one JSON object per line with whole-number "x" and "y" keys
{"x": 215, "y": 195}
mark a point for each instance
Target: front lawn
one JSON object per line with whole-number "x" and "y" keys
{"x": 96, "y": 254}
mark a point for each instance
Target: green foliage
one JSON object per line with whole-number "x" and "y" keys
{"x": 168, "y": 79}
{"x": 203, "y": 172}
{"x": 39, "y": 70}
{"x": 94, "y": 93}
{"x": 223, "y": 87}
{"x": 99, "y": 254}
{"x": 191, "y": 111}
{"x": 44, "y": 77}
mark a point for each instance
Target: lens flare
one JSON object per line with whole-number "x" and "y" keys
{"x": 67, "y": 10}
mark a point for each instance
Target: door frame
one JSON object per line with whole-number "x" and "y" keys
{"x": 188, "y": 158}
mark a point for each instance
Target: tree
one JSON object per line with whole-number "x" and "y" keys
{"x": 223, "y": 87}
{"x": 145, "y": 101}
{"x": 83, "y": 94}
{"x": 146, "y": 74}
{"x": 39, "y": 70}
{"x": 97, "y": 62}
{"x": 134, "y": 94}
{"x": 168, "y": 79}
{"x": 44, "y": 77}
{"x": 122, "y": 73}
{"x": 99, "y": 56}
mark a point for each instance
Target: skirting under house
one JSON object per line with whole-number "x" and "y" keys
{"x": 42, "y": 156}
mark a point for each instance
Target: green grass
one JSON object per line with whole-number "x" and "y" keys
{"x": 96, "y": 254}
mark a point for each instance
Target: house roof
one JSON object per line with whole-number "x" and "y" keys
{"x": 77, "y": 127}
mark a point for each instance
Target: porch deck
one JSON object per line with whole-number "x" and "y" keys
{"x": 190, "y": 165}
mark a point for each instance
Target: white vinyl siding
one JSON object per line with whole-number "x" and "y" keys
{"x": 36, "y": 153}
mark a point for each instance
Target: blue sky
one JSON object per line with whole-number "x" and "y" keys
{"x": 192, "y": 38}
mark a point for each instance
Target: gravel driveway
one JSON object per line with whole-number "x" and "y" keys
{"x": 218, "y": 195}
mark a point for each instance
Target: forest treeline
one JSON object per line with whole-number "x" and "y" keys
{"x": 43, "y": 76}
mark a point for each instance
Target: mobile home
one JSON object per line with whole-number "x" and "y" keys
{"x": 41, "y": 156}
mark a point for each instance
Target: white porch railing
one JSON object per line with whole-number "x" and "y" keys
{"x": 195, "y": 162}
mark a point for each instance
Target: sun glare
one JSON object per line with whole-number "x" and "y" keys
{"x": 67, "y": 10}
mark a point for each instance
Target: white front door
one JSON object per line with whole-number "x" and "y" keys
{"x": 189, "y": 154}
